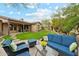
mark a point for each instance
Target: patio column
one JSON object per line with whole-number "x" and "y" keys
{"x": 17, "y": 27}
{"x": 29, "y": 28}
{"x": 8, "y": 28}
{"x": 23, "y": 28}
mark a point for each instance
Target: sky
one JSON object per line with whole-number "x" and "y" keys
{"x": 30, "y": 12}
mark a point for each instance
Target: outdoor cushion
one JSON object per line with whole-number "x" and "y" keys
{"x": 67, "y": 40}
{"x": 61, "y": 48}
{"x": 13, "y": 46}
{"x": 45, "y": 38}
{"x": 22, "y": 46}
{"x": 73, "y": 46}
{"x": 55, "y": 38}
{"x": 26, "y": 53}
{"x": 6, "y": 42}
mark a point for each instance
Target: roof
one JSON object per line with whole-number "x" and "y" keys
{"x": 14, "y": 20}
{"x": 18, "y": 20}
{"x": 36, "y": 23}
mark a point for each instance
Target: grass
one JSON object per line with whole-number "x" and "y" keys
{"x": 7, "y": 37}
{"x": 33, "y": 35}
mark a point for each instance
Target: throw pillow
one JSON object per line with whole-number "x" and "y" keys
{"x": 13, "y": 46}
{"x": 73, "y": 46}
{"x": 45, "y": 38}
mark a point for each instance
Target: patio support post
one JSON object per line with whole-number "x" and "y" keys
{"x": 23, "y": 27}
{"x": 29, "y": 28}
{"x": 17, "y": 28}
{"x": 8, "y": 28}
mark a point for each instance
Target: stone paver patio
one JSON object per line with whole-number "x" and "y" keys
{"x": 32, "y": 50}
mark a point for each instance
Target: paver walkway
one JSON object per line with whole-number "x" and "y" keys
{"x": 2, "y": 52}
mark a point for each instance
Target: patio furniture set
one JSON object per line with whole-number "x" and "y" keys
{"x": 56, "y": 45}
{"x": 61, "y": 43}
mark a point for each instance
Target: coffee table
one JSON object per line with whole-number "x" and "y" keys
{"x": 47, "y": 52}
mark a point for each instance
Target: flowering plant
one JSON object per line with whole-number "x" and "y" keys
{"x": 43, "y": 43}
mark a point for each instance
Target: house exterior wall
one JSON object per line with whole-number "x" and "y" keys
{"x": 5, "y": 28}
{"x": 0, "y": 27}
{"x": 20, "y": 26}
{"x": 35, "y": 27}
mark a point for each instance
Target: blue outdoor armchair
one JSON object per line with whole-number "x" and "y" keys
{"x": 61, "y": 43}
{"x": 22, "y": 49}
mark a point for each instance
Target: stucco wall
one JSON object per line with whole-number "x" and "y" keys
{"x": 5, "y": 28}
{"x": 35, "y": 27}
{"x": 0, "y": 27}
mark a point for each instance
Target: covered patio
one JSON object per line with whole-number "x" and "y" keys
{"x": 9, "y": 25}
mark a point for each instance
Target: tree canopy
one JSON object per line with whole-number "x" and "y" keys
{"x": 67, "y": 19}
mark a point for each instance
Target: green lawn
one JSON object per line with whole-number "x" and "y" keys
{"x": 7, "y": 37}
{"x": 33, "y": 35}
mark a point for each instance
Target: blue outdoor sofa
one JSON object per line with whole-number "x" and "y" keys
{"x": 22, "y": 49}
{"x": 61, "y": 43}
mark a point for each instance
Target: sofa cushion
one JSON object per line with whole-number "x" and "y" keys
{"x": 6, "y": 42}
{"x": 73, "y": 46}
{"x": 67, "y": 40}
{"x": 45, "y": 38}
{"x": 61, "y": 48}
{"x": 55, "y": 38}
{"x": 13, "y": 46}
{"x": 26, "y": 53}
{"x": 22, "y": 46}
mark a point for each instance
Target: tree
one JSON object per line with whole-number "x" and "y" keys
{"x": 57, "y": 20}
{"x": 70, "y": 24}
{"x": 70, "y": 20}
{"x": 46, "y": 24}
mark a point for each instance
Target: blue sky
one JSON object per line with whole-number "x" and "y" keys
{"x": 32, "y": 12}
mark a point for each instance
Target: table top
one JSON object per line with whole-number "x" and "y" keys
{"x": 48, "y": 51}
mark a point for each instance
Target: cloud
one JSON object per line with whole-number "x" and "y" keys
{"x": 40, "y": 14}
{"x": 11, "y": 12}
{"x": 2, "y": 11}
{"x": 50, "y": 6}
{"x": 56, "y": 7}
{"x": 18, "y": 12}
{"x": 8, "y": 6}
{"x": 31, "y": 5}
{"x": 48, "y": 3}
{"x": 43, "y": 13}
